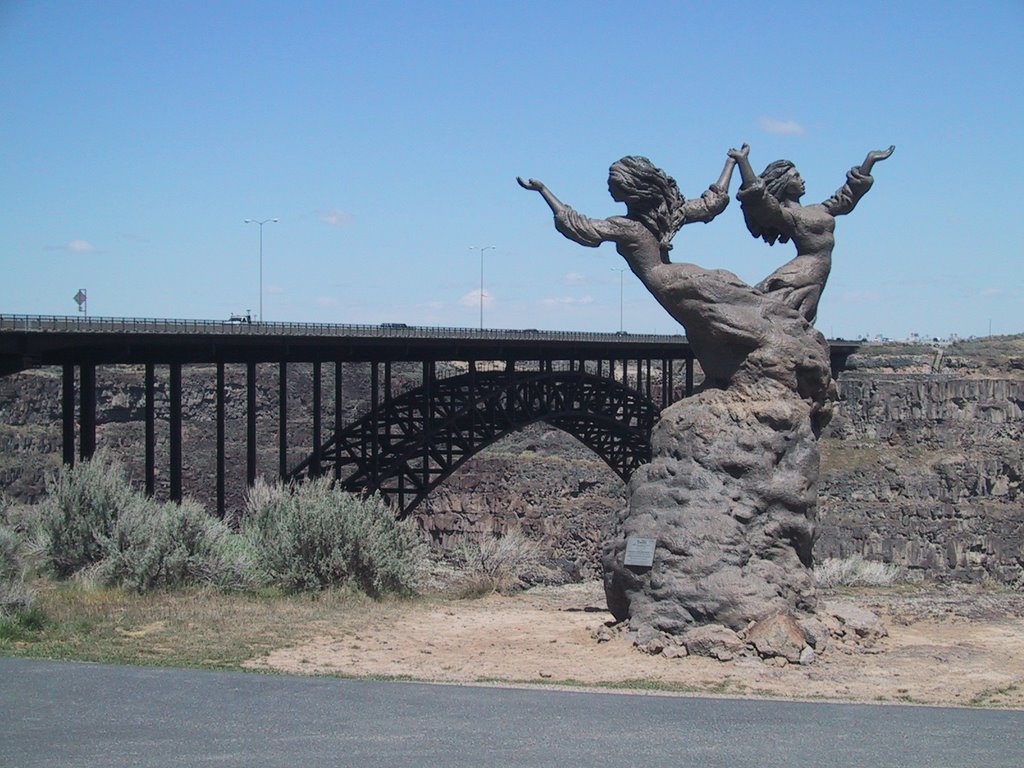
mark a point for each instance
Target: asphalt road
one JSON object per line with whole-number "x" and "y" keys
{"x": 58, "y": 714}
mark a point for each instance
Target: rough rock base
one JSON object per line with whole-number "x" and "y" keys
{"x": 730, "y": 500}
{"x": 779, "y": 639}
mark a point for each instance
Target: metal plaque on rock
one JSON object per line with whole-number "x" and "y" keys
{"x": 639, "y": 552}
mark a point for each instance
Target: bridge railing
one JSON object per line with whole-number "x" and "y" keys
{"x": 79, "y": 324}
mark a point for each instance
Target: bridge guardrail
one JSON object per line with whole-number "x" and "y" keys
{"x": 71, "y": 323}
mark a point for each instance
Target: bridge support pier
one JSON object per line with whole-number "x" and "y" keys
{"x": 220, "y": 440}
{"x": 250, "y": 423}
{"x": 68, "y": 413}
{"x": 375, "y": 424}
{"x": 317, "y": 426}
{"x": 150, "y": 429}
{"x": 87, "y": 411}
{"x": 174, "y": 438}
{"x": 338, "y": 414}
{"x": 282, "y": 420}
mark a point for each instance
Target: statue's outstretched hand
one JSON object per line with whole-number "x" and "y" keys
{"x": 736, "y": 154}
{"x": 881, "y": 154}
{"x": 874, "y": 156}
{"x": 533, "y": 184}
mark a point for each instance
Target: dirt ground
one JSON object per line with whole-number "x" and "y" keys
{"x": 949, "y": 646}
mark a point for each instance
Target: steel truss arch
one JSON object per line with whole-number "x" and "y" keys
{"x": 408, "y": 445}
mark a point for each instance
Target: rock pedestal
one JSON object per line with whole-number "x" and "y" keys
{"x": 730, "y": 499}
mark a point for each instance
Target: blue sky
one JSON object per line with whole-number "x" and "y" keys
{"x": 136, "y": 138}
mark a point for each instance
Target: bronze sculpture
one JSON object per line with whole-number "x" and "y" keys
{"x": 730, "y": 494}
{"x": 724, "y": 317}
{"x": 772, "y": 211}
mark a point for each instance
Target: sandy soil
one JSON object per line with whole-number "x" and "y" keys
{"x": 954, "y": 646}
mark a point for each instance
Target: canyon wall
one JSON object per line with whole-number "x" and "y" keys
{"x": 921, "y": 466}
{"x": 923, "y": 469}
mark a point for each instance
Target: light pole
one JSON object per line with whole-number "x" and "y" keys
{"x": 481, "y": 249}
{"x": 620, "y": 270}
{"x": 261, "y": 223}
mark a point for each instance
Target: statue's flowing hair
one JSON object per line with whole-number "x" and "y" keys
{"x": 651, "y": 195}
{"x": 775, "y": 179}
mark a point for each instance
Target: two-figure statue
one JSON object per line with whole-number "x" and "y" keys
{"x": 730, "y": 494}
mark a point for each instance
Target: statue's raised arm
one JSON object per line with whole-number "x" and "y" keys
{"x": 858, "y": 182}
{"x": 575, "y": 226}
{"x": 714, "y": 199}
{"x": 655, "y": 211}
{"x": 534, "y": 185}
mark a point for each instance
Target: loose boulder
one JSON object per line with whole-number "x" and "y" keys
{"x": 779, "y": 635}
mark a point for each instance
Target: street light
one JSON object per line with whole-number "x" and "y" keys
{"x": 481, "y": 249}
{"x": 261, "y": 223}
{"x": 620, "y": 270}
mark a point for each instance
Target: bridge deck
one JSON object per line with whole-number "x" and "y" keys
{"x": 33, "y": 340}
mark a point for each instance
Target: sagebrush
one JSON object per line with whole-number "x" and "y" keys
{"x": 309, "y": 537}
{"x": 315, "y": 536}
{"x": 496, "y": 563}
{"x": 159, "y": 545}
{"x": 15, "y": 594}
{"x": 855, "y": 571}
{"x": 78, "y": 514}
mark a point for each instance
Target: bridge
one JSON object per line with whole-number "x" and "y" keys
{"x": 474, "y": 387}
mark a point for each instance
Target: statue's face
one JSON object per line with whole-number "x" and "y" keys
{"x": 615, "y": 190}
{"x": 795, "y": 187}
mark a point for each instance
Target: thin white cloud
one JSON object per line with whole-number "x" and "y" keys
{"x": 568, "y": 301}
{"x": 472, "y": 299}
{"x": 781, "y": 127}
{"x": 336, "y": 217}
{"x": 987, "y": 292}
{"x": 575, "y": 278}
{"x": 328, "y": 302}
{"x": 80, "y": 246}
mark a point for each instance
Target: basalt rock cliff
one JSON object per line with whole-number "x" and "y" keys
{"x": 921, "y": 466}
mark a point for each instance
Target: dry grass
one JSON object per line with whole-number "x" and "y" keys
{"x": 848, "y": 455}
{"x": 991, "y": 351}
{"x": 199, "y": 627}
{"x": 205, "y": 627}
{"x": 855, "y": 571}
{"x": 496, "y": 564}
{"x": 996, "y": 349}
{"x": 945, "y": 646}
